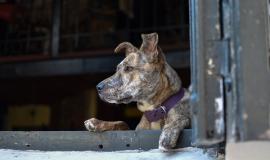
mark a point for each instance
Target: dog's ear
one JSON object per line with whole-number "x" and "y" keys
{"x": 125, "y": 47}
{"x": 150, "y": 45}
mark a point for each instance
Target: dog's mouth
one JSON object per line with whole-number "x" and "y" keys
{"x": 126, "y": 99}
{"x": 108, "y": 99}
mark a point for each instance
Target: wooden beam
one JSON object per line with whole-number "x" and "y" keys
{"x": 77, "y": 66}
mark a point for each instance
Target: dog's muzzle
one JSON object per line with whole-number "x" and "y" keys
{"x": 100, "y": 86}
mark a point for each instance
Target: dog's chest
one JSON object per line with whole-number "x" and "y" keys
{"x": 144, "y": 106}
{"x": 157, "y": 125}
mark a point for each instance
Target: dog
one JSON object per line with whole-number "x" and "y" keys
{"x": 145, "y": 77}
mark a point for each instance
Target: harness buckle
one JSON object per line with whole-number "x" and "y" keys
{"x": 164, "y": 109}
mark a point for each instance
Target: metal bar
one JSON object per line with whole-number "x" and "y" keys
{"x": 252, "y": 74}
{"x": 56, "y": 20}
{"x": 29, "y": 25}
{"x": 233, "y": 94}
{"x": 77, "y": 26}
{"x": 154, "y": 14}
{"x": 182, "y": 18}
{"x": 87, "y": 34}
{"x": 83, "y": 140}
{"x": 78, "y": 66}
{"x": 208, "y": 50}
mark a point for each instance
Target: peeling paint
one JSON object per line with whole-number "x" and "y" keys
{"x": 219, "y": 122}
{"x": 245, "y": 116}
{"x": 217, "y": 27}
{"x": 211, "y": 63}
{"x": 219, "y": 110}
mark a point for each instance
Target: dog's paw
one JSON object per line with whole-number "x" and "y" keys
{"x": 163, "y": 149}
{"x": 165, "y": 145}
{"x": 167, "y": 142}
{"x": 90, "y": 124}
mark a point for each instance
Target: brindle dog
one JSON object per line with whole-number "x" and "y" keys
{"x": 145, "y": 77}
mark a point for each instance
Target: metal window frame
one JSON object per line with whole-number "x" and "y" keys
{"x": 209, "y": 51}
{"x": 230, "y": 47}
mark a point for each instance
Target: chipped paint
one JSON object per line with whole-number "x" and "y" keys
{"x": 219, "y": 110}
{"x": 219, "y": 121}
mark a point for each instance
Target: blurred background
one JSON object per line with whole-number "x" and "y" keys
{"x": 54, "y": 52}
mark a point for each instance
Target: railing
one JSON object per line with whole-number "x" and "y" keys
{"x": 85, "y": 29}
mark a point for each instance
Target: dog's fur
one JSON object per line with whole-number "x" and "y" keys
{"x": 144, "y": 76}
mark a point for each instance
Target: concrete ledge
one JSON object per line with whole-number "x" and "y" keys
{"x": 86, "y": 141}
{"x": 253, "y": 150}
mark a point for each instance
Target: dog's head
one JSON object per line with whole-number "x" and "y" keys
{"x": 137, "y": 75}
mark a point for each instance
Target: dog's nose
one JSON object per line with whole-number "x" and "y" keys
{"x": 100, "y": 86}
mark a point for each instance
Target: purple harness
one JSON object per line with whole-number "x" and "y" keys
{"x": 165, "y": 107}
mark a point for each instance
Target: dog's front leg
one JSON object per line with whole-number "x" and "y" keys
{"x": 143, "y": 124}
{"x": 171, "y": 132}
{"x": 95, "y": 125}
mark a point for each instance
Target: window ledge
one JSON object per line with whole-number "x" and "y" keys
{"x": 86, "y": 141}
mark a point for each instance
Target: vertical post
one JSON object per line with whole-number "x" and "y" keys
{"x": 55, "y": 34}
{"x": 182, "y": 20}
{"x": 208, "y": 63}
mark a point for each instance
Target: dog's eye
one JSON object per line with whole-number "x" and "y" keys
{"x": 128, "y": 68}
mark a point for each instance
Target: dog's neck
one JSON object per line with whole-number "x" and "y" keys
{"x": 169, "y": 84}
